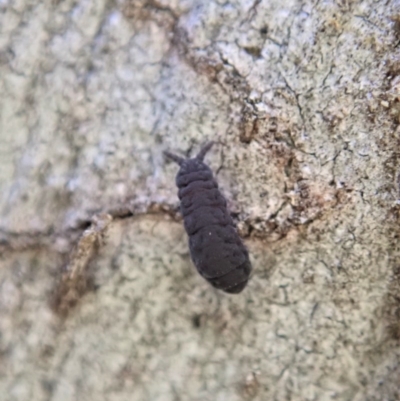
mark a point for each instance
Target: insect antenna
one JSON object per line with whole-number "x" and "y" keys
{"x": 204, "y": 150}
{"x": 175, "y": 158}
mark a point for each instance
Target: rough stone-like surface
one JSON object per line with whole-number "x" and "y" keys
{"x": 303, "y": 98}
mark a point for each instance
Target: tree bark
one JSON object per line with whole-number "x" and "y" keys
{"x": 98, "y": 297}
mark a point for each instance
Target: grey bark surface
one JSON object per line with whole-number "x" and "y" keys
{"x": 98, "y": 297}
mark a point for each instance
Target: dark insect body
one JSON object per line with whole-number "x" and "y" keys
{"x": 215, "y": 246}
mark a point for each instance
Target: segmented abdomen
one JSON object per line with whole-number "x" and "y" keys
{"x": 215, "y": 247}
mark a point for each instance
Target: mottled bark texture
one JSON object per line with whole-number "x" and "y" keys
{"x": 98, "y": 297}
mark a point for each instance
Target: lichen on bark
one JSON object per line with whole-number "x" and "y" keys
{"x": 303, "y": 100}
